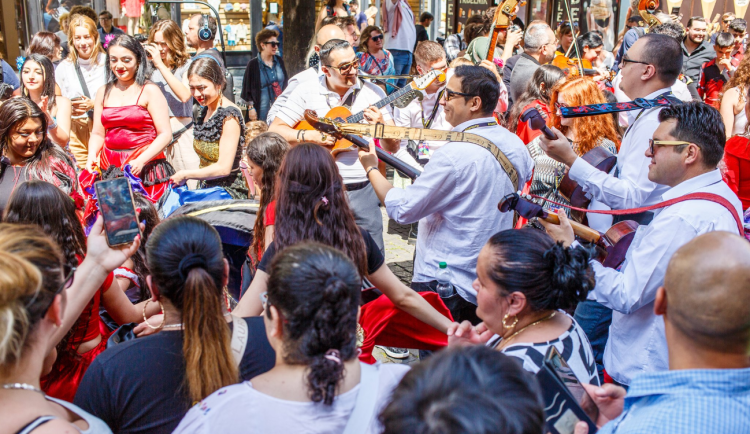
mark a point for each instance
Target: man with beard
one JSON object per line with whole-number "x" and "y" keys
{"x": 696, "y": 51}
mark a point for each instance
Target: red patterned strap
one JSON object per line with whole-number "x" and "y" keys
{"x": 711, "y": 197}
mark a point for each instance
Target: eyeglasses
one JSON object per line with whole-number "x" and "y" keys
{"x": 560, "y": 105}
{"x": 376, "y": 38}
{"x": 67, "y": 283}
{"x": 274, "y": 44}
{"x": 449, "y": 94}
{"x": 345, "y": 68}
{"x": 625, "y": 60}
{"x": 652, "y": 142}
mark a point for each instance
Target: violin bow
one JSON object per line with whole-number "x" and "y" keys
{"x": 575, "y": 40}
{"x": 503, "y": 16}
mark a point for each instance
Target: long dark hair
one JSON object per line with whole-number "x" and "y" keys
{"x": 150, "y": 217}
{"x": 48, "y": 89}
{"x": 266, "y": 151}
{"x": 549, "y": 275}
{"x": 317, "y": 291}
{"x": 143, "y": 68}
{"x": 311, "y": 205}
{"x": 547, "y": 74}
{"x": 186, "y": 263}
{"x": 12, "y": 114}
{"x": 207, "y": 67}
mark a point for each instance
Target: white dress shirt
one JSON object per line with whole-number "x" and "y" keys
{"x": 455, "y": 201}
{"x": 636, "y": 337}
{"x": 94, "y": 74}
{"x": 417, "y": 112}
{"x": 308, "y": 75}
{"x": 316, "y": 96}
{"x": 679, "y": 89}
{"x": 631, "y": 188}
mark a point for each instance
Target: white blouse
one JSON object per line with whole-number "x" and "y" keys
{"x": 93, "y": 74}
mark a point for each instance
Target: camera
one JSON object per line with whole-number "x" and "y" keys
{"x": 514, "y": 28}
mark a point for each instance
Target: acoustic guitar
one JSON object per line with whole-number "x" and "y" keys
{"x": 611, "y": 246}
{"x": 400, "y": 98}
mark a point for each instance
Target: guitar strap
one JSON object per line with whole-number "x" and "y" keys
{"x": 711, "y": 197}
{"x": 380, "y": 131}
{"x": 349, "y": 102}
{"x": 662, "y": 100}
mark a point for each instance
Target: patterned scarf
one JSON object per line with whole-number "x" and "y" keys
{"x": 396, "y": 17}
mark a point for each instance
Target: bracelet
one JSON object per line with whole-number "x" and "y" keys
{"x": 367, "y": 173}
{"x": 298, "y": 133}
{"x": 303, "y": 135}
{"x": 52, "y": 126}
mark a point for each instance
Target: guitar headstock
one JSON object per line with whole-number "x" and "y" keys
{"x": 408, "y": 97}
{"x": 421, "y": 82}
{"x": 522, "y": 205}
{"x": 322, "y": 124}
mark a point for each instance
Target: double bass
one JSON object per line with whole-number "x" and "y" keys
{"x": 504, "y": 15}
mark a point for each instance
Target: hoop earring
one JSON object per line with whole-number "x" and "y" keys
{"x": 163, "y": 318}
{"x": 505, "y": 318}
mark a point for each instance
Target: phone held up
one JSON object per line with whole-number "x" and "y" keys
{"x": 566, "y": 401}
{"x": 116, "y": 204}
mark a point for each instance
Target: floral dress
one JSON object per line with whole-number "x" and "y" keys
{"x": 370, "y": 65}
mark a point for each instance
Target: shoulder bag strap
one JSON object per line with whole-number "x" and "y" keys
{"x": 82, "y": 81}
{"x": 364, "y": 408}
{"x": 239, "y": 338}
{"x": 34, "y": 424}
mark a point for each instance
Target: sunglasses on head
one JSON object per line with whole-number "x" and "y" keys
{"x": 345, "y": 68}
{"x": 377, "y": 38}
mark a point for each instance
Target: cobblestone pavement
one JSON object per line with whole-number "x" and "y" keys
{"x": 399, "y": 256}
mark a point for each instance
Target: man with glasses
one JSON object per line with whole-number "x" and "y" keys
{"x": 105, "y": 21}
{"x": 539, "y": 48}
{"x": 455, "y": 198}
{"x": 649, "y": 69}
{"x": 337, "y": 86}
{"x": 682, "y": 155}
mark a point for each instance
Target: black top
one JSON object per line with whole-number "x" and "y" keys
{"x": 375, "y": 259}
{"x": 421, "y": 35}
{"x": 251, "y": 81}
{"x": 138, "y": 386}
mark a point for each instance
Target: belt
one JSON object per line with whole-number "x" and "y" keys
{"x": 354, "y": 186}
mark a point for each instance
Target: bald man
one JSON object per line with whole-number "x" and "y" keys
{"x": 325, "y": 34}
{"x": 705, "y": 305}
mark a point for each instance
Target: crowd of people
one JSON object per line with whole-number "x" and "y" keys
{"x": 169, "y": 333}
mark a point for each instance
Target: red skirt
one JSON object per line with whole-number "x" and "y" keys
{"x": 69, "y": 370}
{"x": 155, "y": 174}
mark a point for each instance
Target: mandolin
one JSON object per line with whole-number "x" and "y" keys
{"x": 611, "y": 246}
{"x": 400, "y": 98}
{"x": 331, "y": 127}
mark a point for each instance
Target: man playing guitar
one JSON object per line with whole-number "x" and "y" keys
{"x": 683, "y": 157}
{"x": 337, "y": 86}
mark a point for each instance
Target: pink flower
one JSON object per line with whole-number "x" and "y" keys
{"x": 108, "y": 39}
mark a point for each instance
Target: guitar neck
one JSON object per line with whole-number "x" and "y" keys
{"x": 493, "y": 44}
{"x": 357, "y": 117}
{"x": 384, "y": 156}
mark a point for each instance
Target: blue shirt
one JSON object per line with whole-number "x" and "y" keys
{"x": 687, "y": 401}
{"x": 9, "y": 76}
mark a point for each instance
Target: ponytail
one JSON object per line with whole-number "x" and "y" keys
{"x": 206, "y": 343}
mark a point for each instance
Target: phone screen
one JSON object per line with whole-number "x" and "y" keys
{"x": 116, "y": 205}
{"x": 568, "y": 377}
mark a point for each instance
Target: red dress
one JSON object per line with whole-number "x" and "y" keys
{"x": 129, "y": 132}
{"x": 523, "y": 131}
{"x": 737, "y": 173}
{"x": 67, "y": 372}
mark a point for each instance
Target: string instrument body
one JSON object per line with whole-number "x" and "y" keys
{"x": 598, "y": 157}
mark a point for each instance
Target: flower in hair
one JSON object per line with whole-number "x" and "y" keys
{"x": 19, "y": 62}
{"x": 324, "y": 199}
{"x": 499, "y": 62}
{"x": 108, "y": 39}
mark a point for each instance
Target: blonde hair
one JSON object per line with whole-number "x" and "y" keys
{"x": 90, "y": 25}
{"x": 30, "y": 273}
{"x": 177, "y": 56}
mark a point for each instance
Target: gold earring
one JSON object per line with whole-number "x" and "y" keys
{"x": 505, "y": 318}
{"x": 163, "y": 318}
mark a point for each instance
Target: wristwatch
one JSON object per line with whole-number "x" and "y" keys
{"x": 367, "y": 173}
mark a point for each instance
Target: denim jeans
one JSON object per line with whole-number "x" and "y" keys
{"x": 595, "y": 319}
{"x": 402, "y": 62}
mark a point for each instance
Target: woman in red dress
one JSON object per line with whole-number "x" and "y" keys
{"x": 131, "y": 120}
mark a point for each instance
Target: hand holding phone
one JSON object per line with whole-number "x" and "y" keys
{"x": 115, "y": 198}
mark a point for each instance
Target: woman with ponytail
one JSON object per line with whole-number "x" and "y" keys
{"x": 525, "y": 284}
{"x": 311, "y": 311}
{"x": 147, "y": 385}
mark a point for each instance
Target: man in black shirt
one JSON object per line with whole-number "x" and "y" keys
{"x": 424, "y": 21}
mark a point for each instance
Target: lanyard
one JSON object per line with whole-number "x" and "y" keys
{"x": 434, "y": 111}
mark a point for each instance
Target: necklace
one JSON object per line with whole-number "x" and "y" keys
{"x": 23, "y": 386}
{"x": 505, "y": 341}
{"x": 176, "y": 326}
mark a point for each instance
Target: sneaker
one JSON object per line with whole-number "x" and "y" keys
{"x": 395, "y": 353}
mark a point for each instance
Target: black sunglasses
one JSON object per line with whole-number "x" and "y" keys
{"x": 449, "y": 94}
{"x": 67, "y": 283}
{"x": 273, "y": 44}
{"x": 625, "y": 60}
{"x": 377, "y": 38}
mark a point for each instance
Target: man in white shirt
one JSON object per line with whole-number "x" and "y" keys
{"x": 426, "y": 113}
{"x": 337, "y": 86}
{"x": 649, "y": 69}
{"x": 455, "y": 198}
{"x": 325, "y": 34}
{"x": 400, "y": 34}
{"x": 683, "y": 156}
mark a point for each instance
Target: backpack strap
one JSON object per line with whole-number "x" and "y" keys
{"x": 34, "y": 424}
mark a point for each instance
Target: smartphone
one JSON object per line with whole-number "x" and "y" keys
{"x": 115, "y": 199}
{"x": 676, "y": 11}
{"x": 566, "y": 401}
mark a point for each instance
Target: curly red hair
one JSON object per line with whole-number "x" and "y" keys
{"x": 590, "y": 130}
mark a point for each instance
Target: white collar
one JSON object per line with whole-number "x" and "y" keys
{"x": 653, "y": 95}
{"x": 324, "y": 86}
{"x": 467, "y": 124}
{"x": 693, "y": 184}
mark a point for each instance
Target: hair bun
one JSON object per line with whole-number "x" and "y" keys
{"x": 571, "y": 276}
{"x": 192, "y": 260}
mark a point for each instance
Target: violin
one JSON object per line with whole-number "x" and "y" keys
{"x": 572, "y": 68}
